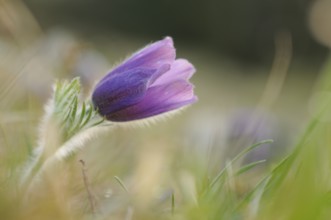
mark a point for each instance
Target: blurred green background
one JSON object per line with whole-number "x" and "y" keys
{"x": 252, "y": 58}
{"x": 258, "y": 65}
{"x": 233, "y": 44}
{"x": 255, "y": 60}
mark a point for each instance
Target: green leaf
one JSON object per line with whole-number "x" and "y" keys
{"x": 81, "y": 117}
{"x": 73, "y": 109}
{"x": 249, "y": 167}
{"x": 88, "y": 117}
{"x": 67, "y": 108}
{"x": 67, "y": 93}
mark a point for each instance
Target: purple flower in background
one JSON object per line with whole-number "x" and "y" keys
{"x": 151, "y": 82}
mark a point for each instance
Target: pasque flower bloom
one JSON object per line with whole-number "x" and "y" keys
{"x": 151, "y": 82}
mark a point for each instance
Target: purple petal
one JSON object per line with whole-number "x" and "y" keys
{"x": 157, "y": 100}
{"x": 180, "y": 69}
{"x": 152, "y": 56}
{"x": 149, "y": 83}
{"x": 119, "y": 91}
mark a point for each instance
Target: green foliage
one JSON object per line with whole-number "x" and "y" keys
{"x": 65, "y": 120}
{"x": 297, "y": 188}
{"x": 73, "y": 115}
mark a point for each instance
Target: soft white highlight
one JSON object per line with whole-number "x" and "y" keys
{"x": 140, "y": 123}
{"x": 78, "y": 141}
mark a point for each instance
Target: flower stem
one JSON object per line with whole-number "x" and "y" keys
{"x": 87, "y": 187}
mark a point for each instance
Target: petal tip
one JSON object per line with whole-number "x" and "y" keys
{"x": 168, "y": 40}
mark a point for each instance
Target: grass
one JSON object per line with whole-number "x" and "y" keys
{"x": 158, "y": 178}
{"x": 188, "y": 167}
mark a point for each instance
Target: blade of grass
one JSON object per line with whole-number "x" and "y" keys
{"x": 249, "y": 167}
{"x": 240, "y": 155}
{"x": 121, "y": 183}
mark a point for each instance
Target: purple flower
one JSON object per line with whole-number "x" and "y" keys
{"x": 151, "y": 82}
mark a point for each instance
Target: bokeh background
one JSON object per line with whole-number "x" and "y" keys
{"x": 244, "y": 31}
{"x": 257, "y": 65}
{"x": 234, "y": 45}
